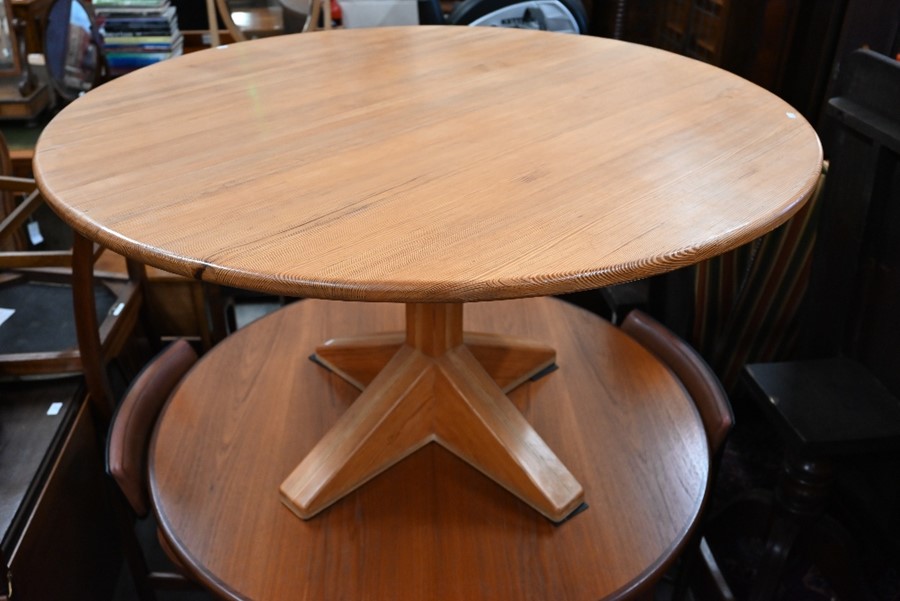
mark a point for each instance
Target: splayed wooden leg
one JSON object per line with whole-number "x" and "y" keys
{"x": 434, "y": 383}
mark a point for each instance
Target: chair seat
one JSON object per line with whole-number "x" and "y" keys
{"x": 827, "y": 406}
{"x": 44, "y": 320}
{"x": 64, "y": 317}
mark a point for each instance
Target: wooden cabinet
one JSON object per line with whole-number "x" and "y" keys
{"x": 58, "y": 537}
{"x": 695, "y": 28}
{"x": 21, "y": 96}
{"x": 793, "y": 48}
{"x": 33, "y": 14}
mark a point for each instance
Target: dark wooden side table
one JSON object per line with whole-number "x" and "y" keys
{"x": 837, "y": 404}
{"x": 824, "y": 410}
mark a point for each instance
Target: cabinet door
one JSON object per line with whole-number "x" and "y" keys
{"x": 695, "y": 28}
{"x": 69, "y": 548}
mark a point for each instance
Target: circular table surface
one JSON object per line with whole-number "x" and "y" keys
{"x": 430, "y": 527}
{"x": 426, "y": 163}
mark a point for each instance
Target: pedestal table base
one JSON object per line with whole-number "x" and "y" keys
{"x": 435, "y": 385}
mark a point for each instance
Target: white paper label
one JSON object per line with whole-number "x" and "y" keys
{"x": 34, "y": 232}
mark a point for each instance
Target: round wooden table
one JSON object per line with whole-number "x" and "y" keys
{"x": 432, "y": 166}
{"x": 430, "y": 527}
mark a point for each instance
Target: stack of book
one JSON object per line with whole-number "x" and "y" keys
{"x": 137, "y": 33}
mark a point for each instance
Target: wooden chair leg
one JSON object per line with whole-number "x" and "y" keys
{"x": 131, "y": 549}
{"x": 88, "y": 329}
{"x": 315, "y": 11}
{"x": 137, "y": 273}
{"x": 211, "y": 301}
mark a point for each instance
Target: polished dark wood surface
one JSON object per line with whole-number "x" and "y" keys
{"x": 430, "y": 527}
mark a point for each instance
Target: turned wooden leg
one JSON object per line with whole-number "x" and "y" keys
{"x": 799, "y": 499}
{"x": 433, "y": 388}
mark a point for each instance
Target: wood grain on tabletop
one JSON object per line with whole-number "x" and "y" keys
{"x": 426, "y": 163}
{"x": 430, "y": 527}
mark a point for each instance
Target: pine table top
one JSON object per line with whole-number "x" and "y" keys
{"x": 426, "y": 163}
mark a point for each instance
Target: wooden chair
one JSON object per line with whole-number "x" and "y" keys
{"x": 255, "y": 21}
{"x": 319, "y": 10}
{"x": 126, "y": 462}
{"x": 223, "y": 12}
{"x": 715, "y": 412}
{"x": 67, "y": 318}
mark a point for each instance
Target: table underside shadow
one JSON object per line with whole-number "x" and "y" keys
{"x": 434, "y": 383}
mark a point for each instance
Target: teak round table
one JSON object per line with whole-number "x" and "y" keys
{"x": 431, "y": 166}
{"x": 430, "y": 527}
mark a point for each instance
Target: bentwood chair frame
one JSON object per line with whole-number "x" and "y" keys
{"x": 716, "y": 414}
{"x": 126, "y": 462}
{"x": 99, "y": 340}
